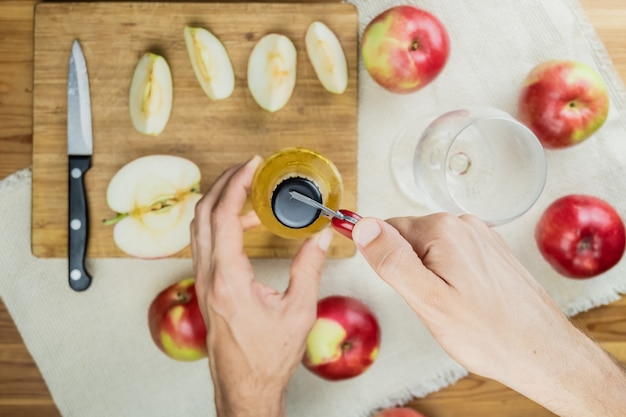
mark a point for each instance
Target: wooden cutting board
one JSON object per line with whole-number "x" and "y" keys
{"x": 214, "y": 135}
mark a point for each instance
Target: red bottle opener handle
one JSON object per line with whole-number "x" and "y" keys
{"x": 344, "y": 226}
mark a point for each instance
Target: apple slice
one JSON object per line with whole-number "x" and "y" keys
{"x": 150, "y": 98}
{"x": 210, "y": 63}
{"x": 327, "y": 57}
{"x": 155, "y": 198}
{"x": 272, "y": 71}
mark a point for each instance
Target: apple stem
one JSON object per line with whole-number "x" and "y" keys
{"x": 182, "y": 296}
{"x": 112, "y": 221}
{"x": 585, "y": 244}
{"x": 415, "y": 45}
{"x": 346, "y": 346}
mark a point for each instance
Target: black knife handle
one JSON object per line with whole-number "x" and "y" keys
{"x": 78, "y": 230}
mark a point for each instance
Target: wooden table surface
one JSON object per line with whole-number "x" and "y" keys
{"x": 22, "y": 389}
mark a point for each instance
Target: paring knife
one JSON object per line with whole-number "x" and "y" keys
{"x": 79, "y": 150}
{"x": 342, "y": 221}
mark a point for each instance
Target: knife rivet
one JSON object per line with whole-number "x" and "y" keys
{"x": 75, "y": 274}
{"x": 76, "y": 173}
{"x": 75, "y": 224}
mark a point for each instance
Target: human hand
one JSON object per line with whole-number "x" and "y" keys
{"x": 489, "y": 313}
{"x": 459, "y": 276}
{"x": 256, "y": 335}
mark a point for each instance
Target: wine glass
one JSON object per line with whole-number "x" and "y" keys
{"x": 477, "y": 160}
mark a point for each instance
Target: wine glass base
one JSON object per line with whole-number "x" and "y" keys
{"x": 402, "y": 161}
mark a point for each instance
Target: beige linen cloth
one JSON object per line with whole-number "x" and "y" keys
{"x": 94, "y": 349}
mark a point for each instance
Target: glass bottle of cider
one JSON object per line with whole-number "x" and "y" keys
{"x": 295, "y": 169}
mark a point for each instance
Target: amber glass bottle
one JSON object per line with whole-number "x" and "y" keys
{"x": 295, "y": 169}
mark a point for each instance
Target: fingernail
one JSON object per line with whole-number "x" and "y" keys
{"x": 324, "y": 239}
{"x": 254, "y": 161}
{"x": 365, "y": 231}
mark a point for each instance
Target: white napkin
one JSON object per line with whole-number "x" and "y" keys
{"x": 94, "y": 349}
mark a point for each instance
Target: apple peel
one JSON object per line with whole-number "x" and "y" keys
{"x": 210, "y": 62}
{"x": 326, "y": 336}
{"x": 272, "y": 71}
{"x": 327, "y": 57}
{"x": 154, "y": 198}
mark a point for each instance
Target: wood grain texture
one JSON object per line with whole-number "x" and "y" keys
{"x": 22, "y": 390}
{"x": 213, "y": 134}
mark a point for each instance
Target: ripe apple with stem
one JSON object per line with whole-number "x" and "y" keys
{"x": 581, "y": 236}
{"x": 344, "y": 340}
{"x": 563, "y": 103}
{"x": 176, "y": 324}
{"x": 404, "y": 48}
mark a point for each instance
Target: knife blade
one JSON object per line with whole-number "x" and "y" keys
{"x": 79, "y": 150}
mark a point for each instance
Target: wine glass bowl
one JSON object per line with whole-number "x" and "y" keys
{"x": 478, "y": 160}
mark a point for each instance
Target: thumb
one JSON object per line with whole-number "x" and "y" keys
{"x": 392, "y": 257}
{"x": 307, "y": 267}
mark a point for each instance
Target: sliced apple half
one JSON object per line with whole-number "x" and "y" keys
{"x": 154, "y": 198}
{"x": 327, "y": 57}
{"x": 210, "y": 62}
{"x": 150, "y": 98}
{"x": 272, "y": 71}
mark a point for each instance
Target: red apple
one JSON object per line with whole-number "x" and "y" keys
{"x": 581, "y": 236}
{"x": 344, "y": 340}
{"x": 404, "y": 48}
{"x": 176, "y": 324}
{"x": 398, "y": 412}
{"x": 563, "y": 103}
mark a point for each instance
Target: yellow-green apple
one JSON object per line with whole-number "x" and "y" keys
{"x": 176, "y": 324}
{"x": 151, "y": 91}
{"x": 272, "y": 71}
{"x": 154, "y": 197}
{"x": 580, "y": 236}
{"x": 563, "y": 102}
{"x": 210, "y": 62}
{"x": 327, "y": 57}
{"x": 398, "y": 412}
{"x": 344, "y": 339}
{"x": 404, "y": 48}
